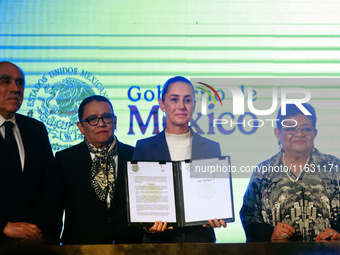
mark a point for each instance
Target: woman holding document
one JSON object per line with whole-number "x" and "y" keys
{"x": 178, "y": 142}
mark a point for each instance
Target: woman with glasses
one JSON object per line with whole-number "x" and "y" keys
{"x": 295, "y": 194}
{"x": 93, "y": 180}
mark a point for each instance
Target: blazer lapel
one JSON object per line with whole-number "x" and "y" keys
{"x": 5, "y": 158}
{"x": 198, "y": 151}
{"x": 3, "y": 149}
{"x": 120, "y": 179}
{"x": 160, "y": 151}
{"x": 86, "y": 161}
{"x": 28, "y": 142}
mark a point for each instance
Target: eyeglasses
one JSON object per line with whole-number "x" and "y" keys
{"x": 305, "y": 130}
{"x": 93, "y": 121}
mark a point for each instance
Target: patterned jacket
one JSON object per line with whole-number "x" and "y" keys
{"x": 309, "y": 205}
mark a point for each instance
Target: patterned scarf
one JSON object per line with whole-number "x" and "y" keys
{"x": 103, "y": 169}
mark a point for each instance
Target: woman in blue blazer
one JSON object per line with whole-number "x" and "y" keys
{"x": 178, "y": 142}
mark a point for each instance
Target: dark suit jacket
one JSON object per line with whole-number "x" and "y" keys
{"x": 20, "y": 192}
{"x": 87, "y": 219}
{"x": 156, "y": 148}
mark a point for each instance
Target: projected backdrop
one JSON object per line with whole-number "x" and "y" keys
{"x": 126, "y": 50}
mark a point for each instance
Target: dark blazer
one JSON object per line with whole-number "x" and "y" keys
{"x": 21, "y": 191}
{"x": 87, "y": 219}
{"x": 156, "y": 148}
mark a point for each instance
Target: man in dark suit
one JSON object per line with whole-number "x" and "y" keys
{"x": 93, "y": 177}
{"x": 26, "y": 161}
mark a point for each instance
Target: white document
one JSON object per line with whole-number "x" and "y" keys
{"x": 207, "y": 194}
{"x": 151, "y": 192}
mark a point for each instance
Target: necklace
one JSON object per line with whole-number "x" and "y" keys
{"x": 298, "y": 177}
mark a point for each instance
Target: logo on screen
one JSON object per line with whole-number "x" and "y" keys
{"x": 206, "y": 89}
{"x": 238, "y": 99}
{"x": 55, "y": 100}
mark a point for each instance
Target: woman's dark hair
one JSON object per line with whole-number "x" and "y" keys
{"x": 173, "y": 80}
{"x": 89, "y": 100}
{"x": 293, "y": 110}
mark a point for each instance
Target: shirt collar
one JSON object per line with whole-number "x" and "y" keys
{"x": 3, "y": 120}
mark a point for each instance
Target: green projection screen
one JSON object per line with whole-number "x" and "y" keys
{"x": 126, "y": 50}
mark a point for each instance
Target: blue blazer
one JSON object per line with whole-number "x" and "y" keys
{"x": 156, "y": 148}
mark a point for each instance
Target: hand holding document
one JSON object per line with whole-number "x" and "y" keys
{"x": 180, "y": 193}
{"x": 215, "y": 224}
{"x": 158, "y": 227}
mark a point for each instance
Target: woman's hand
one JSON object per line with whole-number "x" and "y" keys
{"x": 215, "y": 224}
{"x": 158, "y": 227}
{"x": 328, "y": 233}
{"x": 282, "y": 231}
